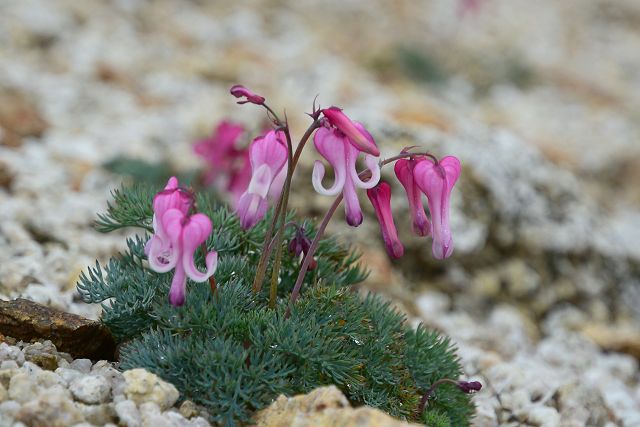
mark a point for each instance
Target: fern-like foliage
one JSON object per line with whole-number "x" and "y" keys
{"x": 229, "y": 352}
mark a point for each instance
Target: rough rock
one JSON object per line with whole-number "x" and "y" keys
{"x": 91, "y": 389}
{"x": 325, "y": 406}
{"x": 49, "y": 409}
{"x": 143, "y": 386}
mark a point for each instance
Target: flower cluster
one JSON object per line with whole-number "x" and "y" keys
{"x": 257, "y": 175}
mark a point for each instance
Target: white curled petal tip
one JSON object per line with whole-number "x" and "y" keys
{"x": 374, "y": 167}
{"x": 316, "y": 180}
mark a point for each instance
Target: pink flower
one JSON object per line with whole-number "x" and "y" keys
{"x": 239, "y": 179}
{"x": 268, "y": 156}
{"x": 404, "y": 171}
{"x": 176, "y": 237}
{"x": 220, "y": 151}
{"x": 436, "y": 180}
{"x": 380, "y": 197}
{"x": 336, "y": 147}
{"x": 240, "y": 91}
{"x": 355, "y": 132}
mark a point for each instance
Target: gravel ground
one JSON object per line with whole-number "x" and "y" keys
{"x": 539, "y": 99}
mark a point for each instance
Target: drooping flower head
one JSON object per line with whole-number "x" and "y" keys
{"x": 404, "y": 172}
{"x": 177, "y": 236}
{"x": 341, "y": 152}
{"x": 436, "y": 180}
{"x": 380, "y": 197}
{"x": 240, "y": 91}
{"x": 355, "y": 132}
{"x": 220, "y": 151}
{"x": 268, "y": 157}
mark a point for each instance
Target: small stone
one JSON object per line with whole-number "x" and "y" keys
{"x": 199, "y": 422}
{"x": 9, "y": 409}
{"x": 8, "y": 352}
{"x": 31, "y": 368}
{"x": 128, "y": 413}
{"x": 4, "y": 394}
{"x": 23, "y": 387}
{"x": 44, "y": 360}
{"x": 143, "y": 386}
{"x": 82, "y": 365}
{"x": 68, "y": 375}
{"x": 188, "y": 409}
{"x": 9, "y": 364}
{"x": 101, "y": 365}
{"x": 149, "y": 408}
{"x": 113, "y": 376}
{"x": 49, "y": 379}
{"x": 544, "y": 416}
{"x": 97, "y": 414}
{"x": 51, "y": 410}
{"x": 165, "y": 419}
{"x": 90, "y": 389}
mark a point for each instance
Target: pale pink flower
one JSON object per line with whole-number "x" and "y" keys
{"x": 436, "y": 180}
{"x": 268, "y": 157}
{"x": 336, "y": 147}
{"x": 355, "y": 132}
{"x": 380, "y": 197}
{"x": 177, "y": 236}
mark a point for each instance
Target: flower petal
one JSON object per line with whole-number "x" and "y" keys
{"x": 404, "y": 172}
{"x": 380, "y": 197}
{"x": 162, "y": 255}
{"x": 437, "y": 181}
{"x": 374, "y": 168}
{"x": 333, "y": 147}
{"x": 269, "y": 150}
{"x": 260, "y": 181}
{"x": 178, "y": 287}
{"x": 251, "y": 209}
{"x": 352, "y": 208}
{"x": 195, "y": 233}
{"x": 363, "y": 141}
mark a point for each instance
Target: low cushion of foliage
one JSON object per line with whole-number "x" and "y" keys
{"x": 229, "y": 352}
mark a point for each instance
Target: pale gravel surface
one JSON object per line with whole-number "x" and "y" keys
{"x": 558, "y": 161}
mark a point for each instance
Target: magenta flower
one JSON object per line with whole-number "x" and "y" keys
{"x": 337, "y": 148}
{"x": 220, "y": 151}
{"x": 268, "y": 156}
{"x": 176, "y": 237}
{"x": 240, "y": 91}
{"x": 404, "y": 172}
{"x": 436, "y": 180}
{"x": 355, "y": 132}
{"x": 380, "y": 197}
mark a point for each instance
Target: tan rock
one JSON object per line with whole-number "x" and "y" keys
{"x": 143, "y": 386}
{"x": 624, "y": 338}
{"x": 325, "y": 406}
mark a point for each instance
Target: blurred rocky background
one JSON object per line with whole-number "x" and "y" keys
{"x": 540, "y": 101}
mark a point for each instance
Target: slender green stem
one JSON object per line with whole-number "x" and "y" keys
{"x": 275, "y": 274}
{"x": 266, "y": 248}
{"x": 312, "y": 249}
{"x": 315, "y": 125}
